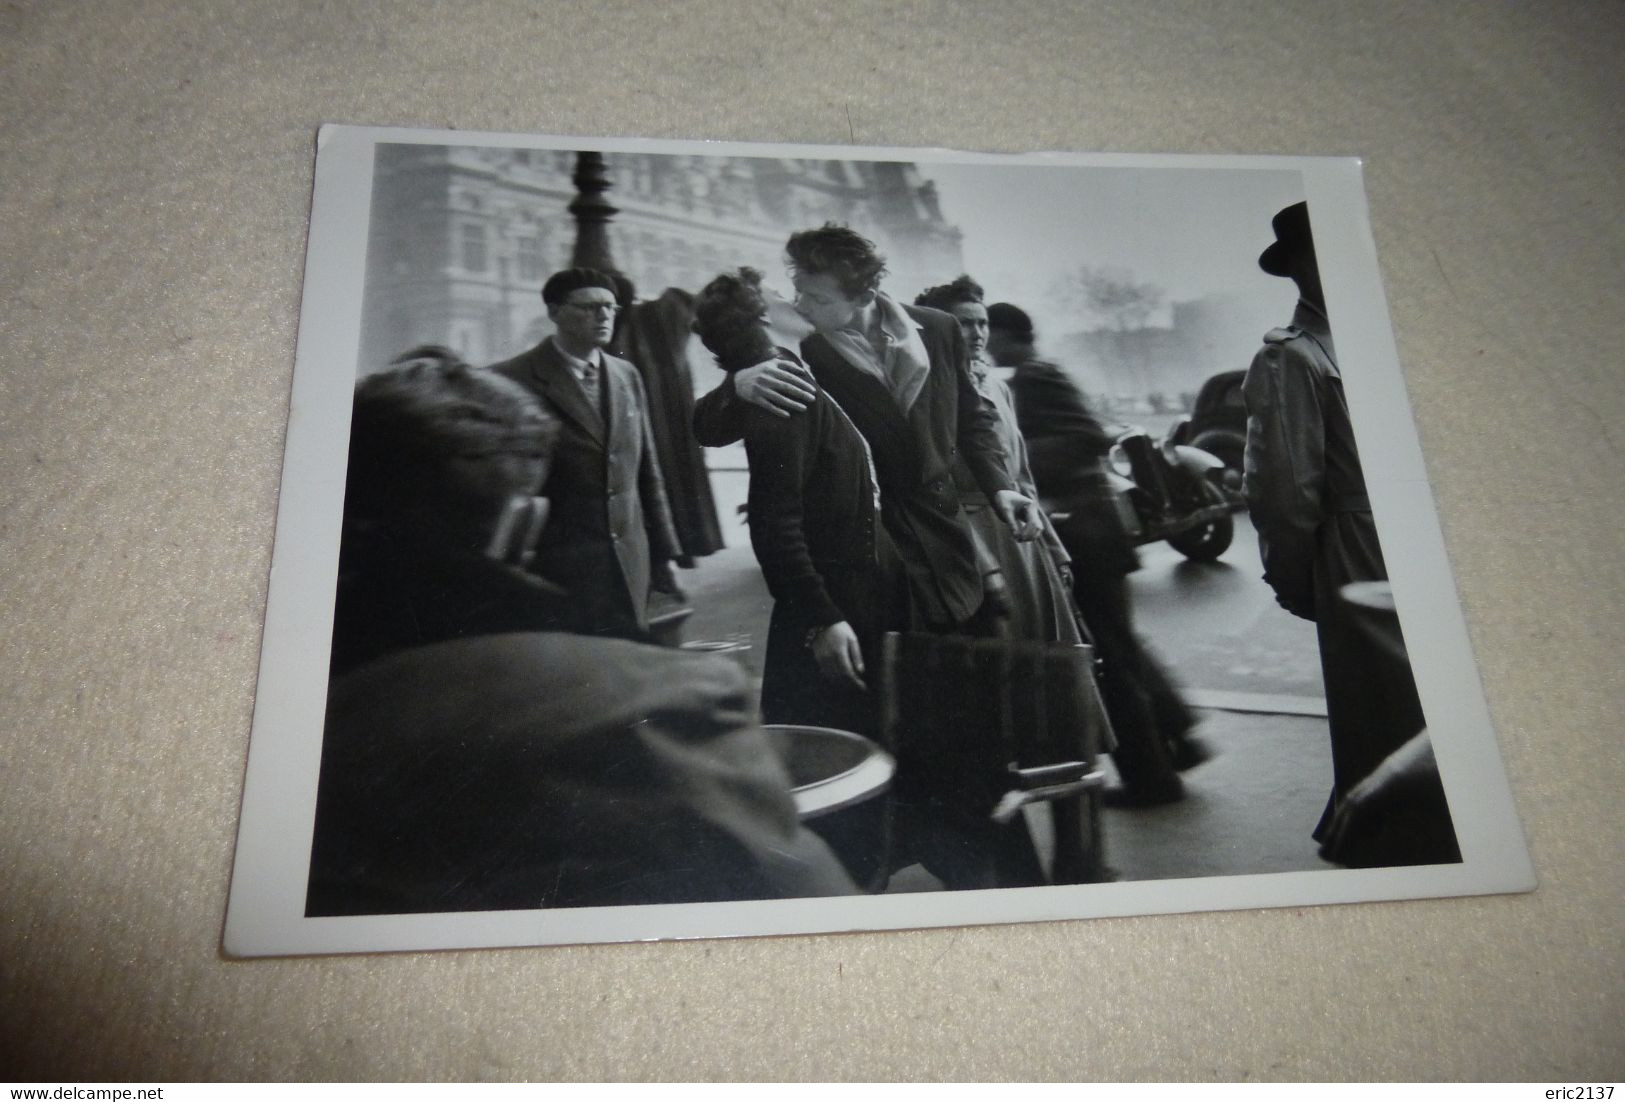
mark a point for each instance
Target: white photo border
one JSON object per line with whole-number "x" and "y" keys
{"x": 265, "y": 914}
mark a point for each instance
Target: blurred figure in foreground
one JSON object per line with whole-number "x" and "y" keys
{"x": 471, "y": 762}
{"x": 1306, "y": 492}
{"x": 1398, "y": 814}
{"x": 439, "y": 514}
{"x": 1067, "y": 446}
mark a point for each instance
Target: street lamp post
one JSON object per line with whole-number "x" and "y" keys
{"x": 593, "y": 214}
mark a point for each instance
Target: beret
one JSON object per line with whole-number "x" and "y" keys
{"x": 561, "y": 285}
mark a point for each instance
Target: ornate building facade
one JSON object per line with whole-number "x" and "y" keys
{"x": 462, "y": 238}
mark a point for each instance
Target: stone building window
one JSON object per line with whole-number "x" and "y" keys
{"x": 473, "y": 247}
{"x": 531, "y": 264}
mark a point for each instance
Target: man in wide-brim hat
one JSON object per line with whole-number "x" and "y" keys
{"x": 1307, "y": 495}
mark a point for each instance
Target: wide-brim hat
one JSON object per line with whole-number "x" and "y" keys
{"x": 1292, "y": 238}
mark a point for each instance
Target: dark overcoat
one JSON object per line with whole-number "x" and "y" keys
{"x": 1306, "y": 493}
{"x": 657, "y": 335}
{"x": 609, "y": 521}
{"x": 1067, "y": 446}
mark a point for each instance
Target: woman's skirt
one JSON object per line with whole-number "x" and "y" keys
{"x": 1040, "y": 606}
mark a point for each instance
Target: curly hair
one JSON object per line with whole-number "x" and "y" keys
{"x": 412, "y": 420}
{"x": 946, "y": 296}
{"x": 729, "y": 317}
{"x": 840, "y": 252}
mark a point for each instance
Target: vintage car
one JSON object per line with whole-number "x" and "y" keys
{"x": 1218, "y": 422}
{"x": 1174, "y": 492}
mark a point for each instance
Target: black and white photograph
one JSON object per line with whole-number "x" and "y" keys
{"x": 691, "y": 539}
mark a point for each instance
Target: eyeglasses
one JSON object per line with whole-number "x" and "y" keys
{"x": 596, "y": 307}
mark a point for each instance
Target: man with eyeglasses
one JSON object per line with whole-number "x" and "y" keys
{"x": 609, "y": 538}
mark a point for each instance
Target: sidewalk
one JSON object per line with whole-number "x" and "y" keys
{"x": 1248, "y": 810}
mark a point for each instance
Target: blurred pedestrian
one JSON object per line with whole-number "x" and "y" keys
{"x": 1067, "y": 446}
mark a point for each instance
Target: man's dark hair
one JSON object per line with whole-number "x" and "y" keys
{"x": 948, "y": 295}
{"x": 729, "y": 318}
{"x": 561, "y": 285}
{"x": 414, "y": 419}
{"x": 837, "y": 251}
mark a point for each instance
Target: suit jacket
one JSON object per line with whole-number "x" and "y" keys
{"x": 550, "y": 770}
{"x": 914, "y": 456}
{"x": 610, "y": 521}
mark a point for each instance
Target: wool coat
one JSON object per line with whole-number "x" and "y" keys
{"x": 1306, "y": 492}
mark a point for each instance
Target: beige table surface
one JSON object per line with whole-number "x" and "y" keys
{"x": 156, "y": 164}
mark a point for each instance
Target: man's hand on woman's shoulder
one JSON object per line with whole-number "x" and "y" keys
{"x": 781, "y": 387}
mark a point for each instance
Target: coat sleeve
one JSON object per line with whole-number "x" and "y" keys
{"x": 719, "y": 416}
{"x": 657, "y": 522}
{"x": 978, "y": 428}
{"x": 781, "y": 461}
{"x": 1285, "y": 471}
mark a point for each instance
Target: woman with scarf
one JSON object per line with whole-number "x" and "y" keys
{"x": 1035, "y": 575}
{"x": 1068, "y": 445}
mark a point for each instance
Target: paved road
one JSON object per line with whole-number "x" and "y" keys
{"x": 1219, "y": 629}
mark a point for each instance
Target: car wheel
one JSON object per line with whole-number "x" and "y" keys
{"x": 1206, "y": 542}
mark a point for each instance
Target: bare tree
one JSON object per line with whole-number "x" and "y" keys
{"x": 1111, "y": 302}
{"x": 1109, "y": 297}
